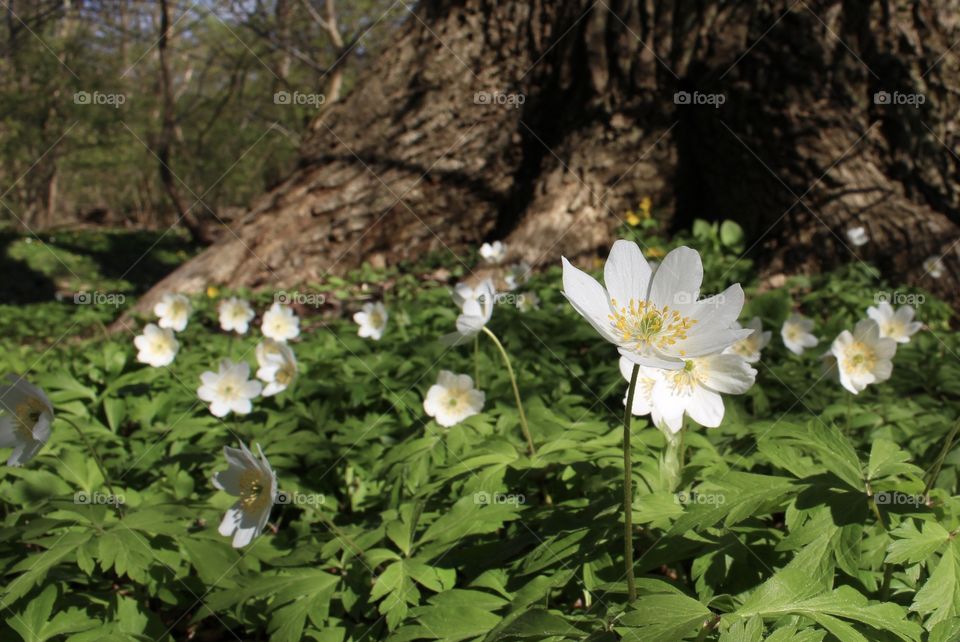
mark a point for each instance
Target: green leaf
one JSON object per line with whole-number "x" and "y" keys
{"x": 939, "y": 597}
{"x": 664, "y": 617}
{"x": 914, "y": 546}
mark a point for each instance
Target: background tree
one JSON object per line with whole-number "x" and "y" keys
{"x": 432, "y": 150}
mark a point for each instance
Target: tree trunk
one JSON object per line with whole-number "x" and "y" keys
{"x": 541, "y": 122}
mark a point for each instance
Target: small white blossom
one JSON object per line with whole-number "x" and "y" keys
{"x": 750, "y": 347}
{"x": 476, "y": 305}
{"x": 372, "y": 320}
{"x": 253, "y": 481}
{"x": 280, "y": 323}
{"x": 528, "y": 301}
{"x": 858, "y": 236}
{"x": 26, "y": 419}
{"x": 494, "y": 252}
{"x": 278, "y": 366}
{"x": 796, "y": 334}
{"x": 452, "y": 399}
{"x": 863, "y": 357}
{"x": 517, "y": 275}
{"x": 933, "y": 266}
{"x": 173, "y": 311}
{"x": 235, "y": 315}
{"x": 157, "y": 346}
{"x": 897, "y": 325}
{"x": 229, "y": 389}
{"x": 694, "y": 390}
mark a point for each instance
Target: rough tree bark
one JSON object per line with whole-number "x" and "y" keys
{"x": 415, "y": 160}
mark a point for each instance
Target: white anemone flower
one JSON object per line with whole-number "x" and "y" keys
{"x": 173, "y": 311}
{"x": 235, "y": 315}
{"x": 694, "y": 390}
{"x": 517, "y": 275}
{"x": 372, "y": 320}
{"x": 26, "y": 420}
{"x": 863, "y": 357}
{"x": 796, "y": 334}
{"x": 750, "y": 347}
{"x": 157, "y": 346}
{"x": 476, "y": 305}
{"x": 858, "y": 236}
{"x": 933, "y": 266}
{"x": 527, "y": 301}
{"x": 229, "y": 389}
{"x": 253, "y": 481}
{"x": 452, "y": 399}
{"x": 655, "y": 319}
{"x": 895, "y": 324}
{"x": 278, "y": 366}
{"x": 280, "y": 323}
{"x": 494, "y": 252}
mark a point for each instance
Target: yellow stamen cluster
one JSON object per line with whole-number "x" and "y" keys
{"x": 644, "y": 325}
{"x": 858, "y": 357}
{"x": 28, "y": 413}
{"x": 686, "y": 378}
{"x": 252, "y": 487}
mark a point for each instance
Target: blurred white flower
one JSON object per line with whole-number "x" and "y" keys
{"x": 452, "y": 399}
{"x": 517, "y": 275}
{"x": 235, "y": 315}
{"x": 796, "y": 334}
{"x": 863, "y": 357}
{"x": 253, "y": 481}
{"x": 750, "y": 347}
{"x": 493, "y": 252}
{"x": 897, "y": 325}
{"x": 278, "y": 366}
{"x": 173, "y": 311}
{"x": 527, "y": 301}
{"x": 858, "y": 236}
{"x": 229, "y": 389}
{"x": 693, "y": 390}
{"x": 26, "y": 420}
{"x": 933, "y": 266}
{"x": 476, "y": 305}
{"x": 655, "y": 320}
{"x": 157, "y": 346}
{"x": 372, "y": 320}
{"x": 280, "y": 323}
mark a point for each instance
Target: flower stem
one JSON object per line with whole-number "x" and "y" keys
{"x": 938, "y": 464}
{"x": 476, "y": 360}
{"x": 516, "y": 391}
{"x": 628, "y": 488}
{"x": 98, "y": 460}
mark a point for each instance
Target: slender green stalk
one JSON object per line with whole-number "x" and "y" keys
{"x": 476, "y": 360}
{"x": 516, "y": 391}
{"x": 98, "y": 460}
{"x": 628, "y": 488}
{"x": 938, "y": 464}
